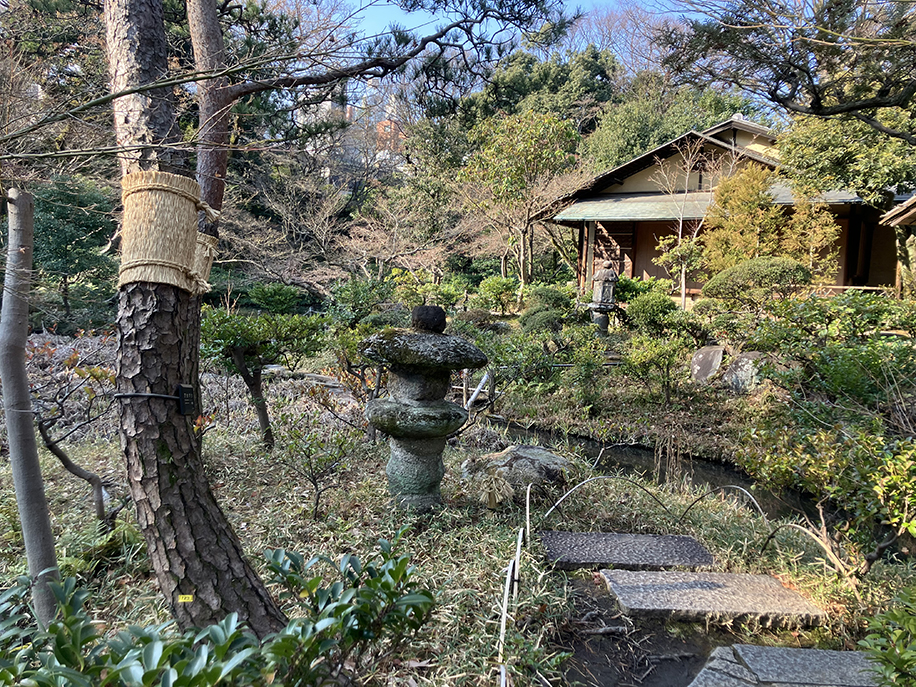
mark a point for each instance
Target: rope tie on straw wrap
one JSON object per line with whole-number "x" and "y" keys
{"x": 211, "y": 214}
{"x": 203, "y": 261}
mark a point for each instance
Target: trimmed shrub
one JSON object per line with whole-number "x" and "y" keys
{"x": 275, "y": 297}
{"x": 548, "y": 298}
{"x": 753, "y": 283}
{"x": 541, "y": 320}
{"x": 497, "y": 293}
{"x": 649, "y": 311}
{"x": 627, "y": 289}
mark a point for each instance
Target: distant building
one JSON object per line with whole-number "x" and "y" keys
{"x": 621, "y": 213}
{"x": 357, "y": 145}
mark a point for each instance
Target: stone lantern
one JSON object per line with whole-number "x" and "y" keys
{"x": 416, "y": 417}
{"x": 603, "y": 303}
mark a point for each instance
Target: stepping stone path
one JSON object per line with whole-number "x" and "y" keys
{"x": 767, "y": 666}
{"x": 714, "y": 597}
{"x": 573, "y": 550}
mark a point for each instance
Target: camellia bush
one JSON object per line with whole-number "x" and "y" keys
{"x": 891, "y": 642}
{"x": 339, "y": 628}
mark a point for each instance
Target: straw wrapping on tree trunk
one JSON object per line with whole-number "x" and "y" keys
{"x": 159, "y": 238}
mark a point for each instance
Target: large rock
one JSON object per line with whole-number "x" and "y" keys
{"x": 706, "y": 362}
{"x": 743, "y": 374}
{"x": 522, "y": 465}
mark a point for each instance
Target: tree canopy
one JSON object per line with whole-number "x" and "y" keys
{"x": 744, "y": 223}
{"x": 571, "y": 86}
{"x": 832, "y": 154}
{"x": 653, "y": 112}
{"x": 822, "y": 58}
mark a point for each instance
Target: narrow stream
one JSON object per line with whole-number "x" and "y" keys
{"x": 640, "y": 460}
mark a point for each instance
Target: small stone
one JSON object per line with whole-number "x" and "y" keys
{"x": 428, "y": 318}
{"x": 706, "y": 362}
{"x": 523, "y": 465}
{"x": 743, "y": 373}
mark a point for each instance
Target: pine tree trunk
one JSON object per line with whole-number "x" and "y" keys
{"x": 198, "y": 559}
{"x": 17, "y": 407}
{"x": 193, "y": 549}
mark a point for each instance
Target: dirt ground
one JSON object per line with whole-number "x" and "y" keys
{"x": 643, "y": 653}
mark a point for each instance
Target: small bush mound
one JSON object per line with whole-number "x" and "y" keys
{"x": 541, "y": 320}
{"x": 549, "y": 309}
{"x": 497, "y": 293}
{"x": 396, "y": 317}
{"x": 480, "y": 318}
{"x": 751, "y": 284}
{"x": 627, "y": 289}
{"x": 275, "y": 297}
{"x": 549, "y": 298}
{"x": 649, "y": 311}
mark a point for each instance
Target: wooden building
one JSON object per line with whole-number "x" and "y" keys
{"x": 621, "y": 214}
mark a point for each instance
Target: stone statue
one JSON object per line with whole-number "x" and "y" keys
{"x": 416, "y": 417}
{"x": 603, "y": 302}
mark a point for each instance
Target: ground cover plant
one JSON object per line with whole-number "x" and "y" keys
{"x": 459, "y": 553}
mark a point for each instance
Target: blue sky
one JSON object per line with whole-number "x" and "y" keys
{"x": 376, "y": 17}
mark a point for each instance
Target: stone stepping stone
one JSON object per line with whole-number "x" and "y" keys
{"x": 713, "y": 597}
{"x": 573, "y": 550}
{"x": 770, "y": 666}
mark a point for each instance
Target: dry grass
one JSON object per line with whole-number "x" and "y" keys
{"x": 461, "y": 550}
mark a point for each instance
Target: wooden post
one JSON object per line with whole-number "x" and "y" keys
{"x": 491, "y": 392}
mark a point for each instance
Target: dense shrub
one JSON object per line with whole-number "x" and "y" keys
{"x": 628, "y": 289}
{"x": 891, "y": 642}
{"x": 656, "y": 361}
{"x": 343, "y": 627}
{"x": 355, "y": 299}
{"x": 549, "y": 308}
{"x": 836, "y": 347}
{"x": 275, "y": 297}
{"x": 541, "y": 320}
{"x": 394, "y": 317}
{"x": 549, "y": 298}
{"x": 497, "y": 293}
{"x": 420, "y": 287}
{"x": 846, "y": 433}
{"x": 478, "y": 317}
{"x": 648, "y": 313}
{"x": 751, "y": 284}
{"x": 870, "y": 477}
